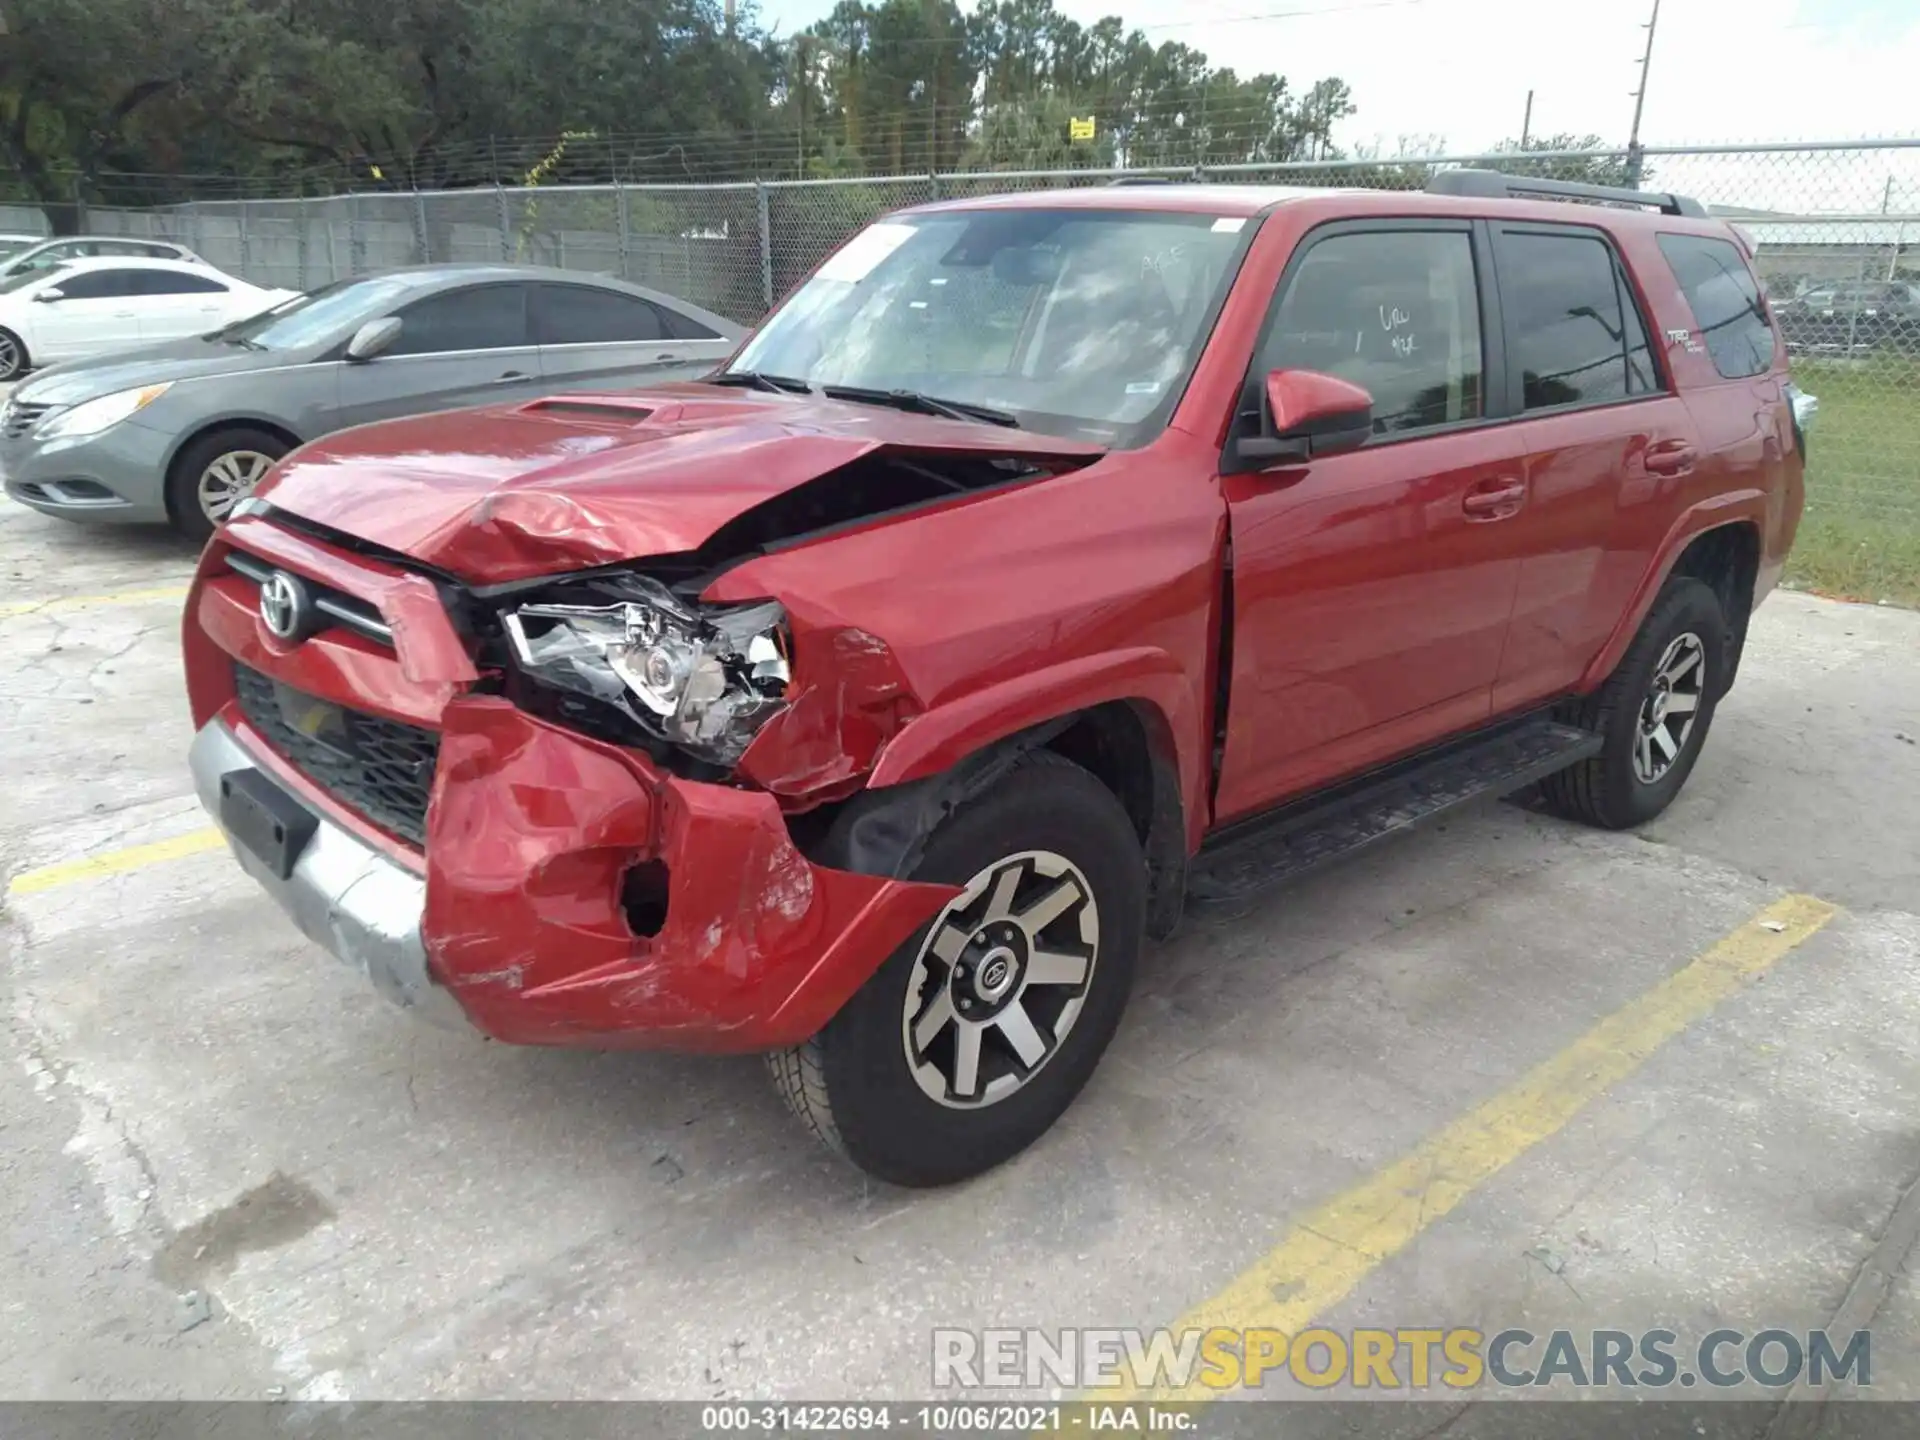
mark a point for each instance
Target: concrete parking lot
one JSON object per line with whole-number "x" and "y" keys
{"x": 1506, "y": 1072}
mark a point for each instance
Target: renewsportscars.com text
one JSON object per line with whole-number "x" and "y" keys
{"x": 1403, "y": 1359}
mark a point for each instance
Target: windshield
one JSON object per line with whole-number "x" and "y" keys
{"x": 11, "y": 248}
{"x": 1078, "y": 323}
{"x": 318, "y": 316}
{"x": 24, "y": 278}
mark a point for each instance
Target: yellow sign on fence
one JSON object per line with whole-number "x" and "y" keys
{"x": 1078, "y": 129}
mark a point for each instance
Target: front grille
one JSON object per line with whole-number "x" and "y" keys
{"x": 375, "y": 767}
{"x": 18, "y": 418}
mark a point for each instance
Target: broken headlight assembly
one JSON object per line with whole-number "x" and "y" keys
{"x": 701, "y": 677}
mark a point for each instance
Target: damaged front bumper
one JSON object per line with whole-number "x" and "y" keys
{"x": 343, "y": 894}
{"x": 573, "y": 894}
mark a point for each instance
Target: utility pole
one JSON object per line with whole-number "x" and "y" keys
{"x": 1636, "y": 157}
{"x": 1526, "y": 123}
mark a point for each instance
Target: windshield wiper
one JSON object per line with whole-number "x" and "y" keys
{"x": 922, "y": 404}
{"x": 761, "y": 380}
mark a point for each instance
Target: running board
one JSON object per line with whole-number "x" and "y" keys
{"x": 1270, "y": 851}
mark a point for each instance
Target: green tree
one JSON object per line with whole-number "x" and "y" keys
{"x": 1606, "y": 169}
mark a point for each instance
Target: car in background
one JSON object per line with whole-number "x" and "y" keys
{"x": 12, "y": 245}
{"x": 83, "y": 308}
{"x": 39, "y": 254}
{"x": 181, "y": 433}
{"x": 1853, "y": 319}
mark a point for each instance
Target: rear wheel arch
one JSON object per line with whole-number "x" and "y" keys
{"x": 1723, "y": 553}
{"x": 1726, "y": 559}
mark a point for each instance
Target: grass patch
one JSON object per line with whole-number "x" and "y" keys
{"x": 1860, "y": 536}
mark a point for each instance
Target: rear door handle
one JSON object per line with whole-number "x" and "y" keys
{"x": 1672, "y": 458}
{"x": 1495, "y": 499}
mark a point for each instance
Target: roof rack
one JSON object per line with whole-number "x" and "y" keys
{"x": 1497, "y": 185}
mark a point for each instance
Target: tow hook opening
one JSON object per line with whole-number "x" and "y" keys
{"x": 643, "y": 897}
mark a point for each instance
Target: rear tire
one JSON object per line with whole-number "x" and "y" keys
{"x": 214, "y": 473}
{"x": 13, "y": 357}
{"x": 978, "y": 1032}
{"x": 1677, "y": 660}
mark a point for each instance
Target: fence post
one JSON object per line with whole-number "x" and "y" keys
{"x": 766, "y": 244}
{"x": 246, "y": 241}
{"x": 305, "y": 239}
{"x": 506, "y": 226}
{"x": 933, "y": 184}
{"x": 356, "y": 241}
{"x": 620, "y": 209}
{"x": 420, "y": 228}
{"x": 1636, "y": 163}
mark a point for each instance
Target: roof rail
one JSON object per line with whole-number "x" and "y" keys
{"x": 1497, "y": 185}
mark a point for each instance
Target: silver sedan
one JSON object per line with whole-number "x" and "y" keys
{"x": 180, "y": 433}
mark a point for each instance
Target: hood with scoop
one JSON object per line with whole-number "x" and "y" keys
{"x": 572, "y": 482}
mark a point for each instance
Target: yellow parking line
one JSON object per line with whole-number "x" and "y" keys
{"x": 115, "y": 862}
{"x": 84, "y": 602}
{"x": 1331, "y": 1251}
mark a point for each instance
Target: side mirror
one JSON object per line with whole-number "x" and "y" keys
{"x": 373, "y": 337}
{"x": 1304, "y": 415}
{"x": 49, "y": 295}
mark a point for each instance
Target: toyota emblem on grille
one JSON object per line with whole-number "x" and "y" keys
{"x": 286, "y": 609}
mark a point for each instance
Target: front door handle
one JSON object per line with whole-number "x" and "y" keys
{"x": 511, "y": 376}
{"x": 1674, "y": 457}
{"x": 1495, "y": 499}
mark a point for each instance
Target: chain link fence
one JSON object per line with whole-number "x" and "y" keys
{"x": 1836, "y": 227}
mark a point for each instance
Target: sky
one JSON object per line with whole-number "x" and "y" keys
{"x": 1459, "y": 70}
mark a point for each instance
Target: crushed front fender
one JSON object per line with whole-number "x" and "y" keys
{"x": 534, "y": 832}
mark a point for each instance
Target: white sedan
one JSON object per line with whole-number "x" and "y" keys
{"x": 91, "y": 307}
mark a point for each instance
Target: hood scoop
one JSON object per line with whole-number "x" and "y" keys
{"x": 622, "y": 412}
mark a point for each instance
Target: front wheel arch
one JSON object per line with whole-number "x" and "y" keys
{"x": 24, "y": 361}
{"x": 1127, "y": 745}
{"x": 191, "y": 443}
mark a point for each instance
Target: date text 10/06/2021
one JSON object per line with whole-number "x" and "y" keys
{"x": 942, "y": 1418}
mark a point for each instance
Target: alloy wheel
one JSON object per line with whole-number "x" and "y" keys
{"x": 228, "y": 480}
{"x": 9, "y": 355}
{"x": 1001, "y": 979}
{"x": 1670, "y": 709}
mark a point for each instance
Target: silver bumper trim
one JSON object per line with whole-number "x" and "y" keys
{"x": 345, "y": 896}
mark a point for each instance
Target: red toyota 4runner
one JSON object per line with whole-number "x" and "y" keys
{"x": 1044, "y": 565}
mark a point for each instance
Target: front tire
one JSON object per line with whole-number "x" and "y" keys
{"x": 979, "y": 1031}
{"x": 1653, "y": 714}
{"x": 13, "y": 356}
{"x": 215, "y": 473}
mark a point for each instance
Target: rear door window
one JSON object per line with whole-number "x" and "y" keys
{"x": 585, "y": 315}
{"x": 1729, "y": 316}
{"x": 1574, "y": 330}
{"x": 178, "y": 282}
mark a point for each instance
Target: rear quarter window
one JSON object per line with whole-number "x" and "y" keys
{"x": 1728, "y": 313}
